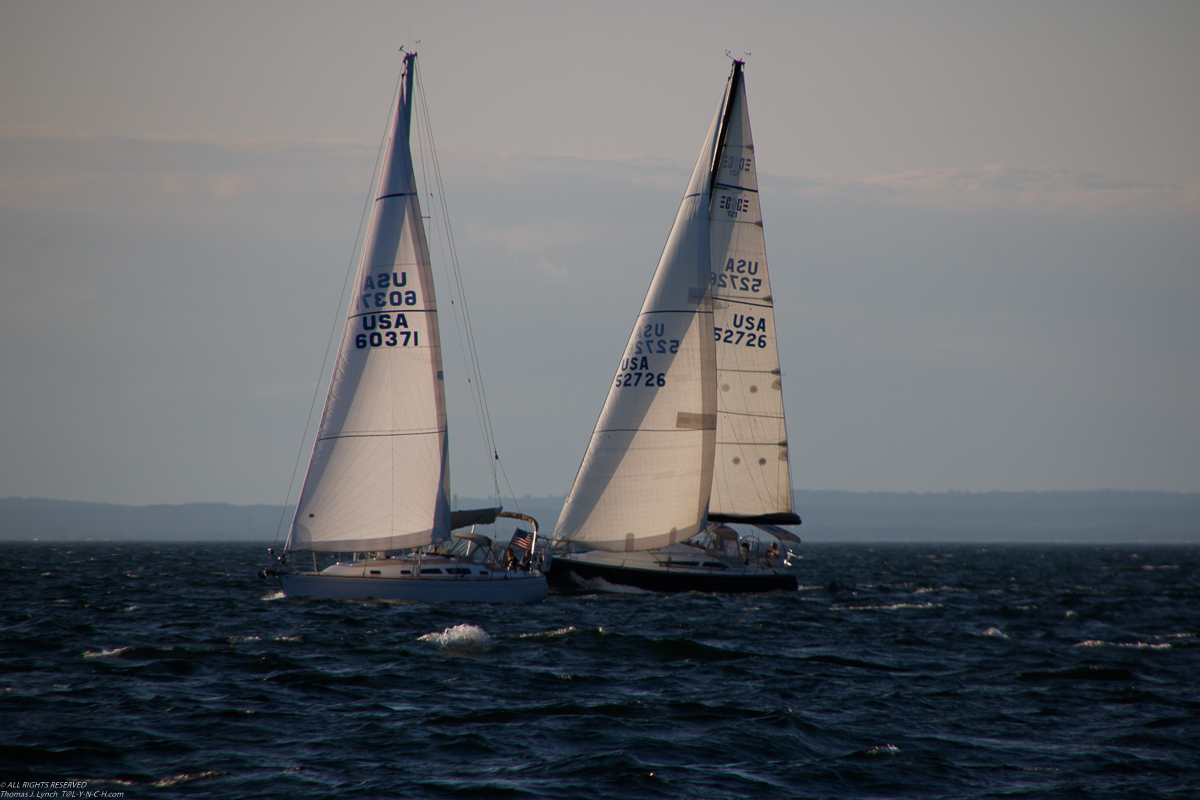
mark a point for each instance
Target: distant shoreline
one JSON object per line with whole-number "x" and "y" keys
{"x": 1096, "y": 517}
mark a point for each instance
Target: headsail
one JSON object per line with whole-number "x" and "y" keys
{"x": 751, "y": 480}
{"x": 378, "y": 474}
{"x": 646, "y": 476}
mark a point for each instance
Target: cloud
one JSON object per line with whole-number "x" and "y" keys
{"x": 552, "y": 273}
{"x": 1012, "y": 186}
{"x": 188, "y": 178}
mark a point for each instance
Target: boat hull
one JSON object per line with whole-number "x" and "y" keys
{"x": 573, "y": 575}
{"x": 513, "y": 588}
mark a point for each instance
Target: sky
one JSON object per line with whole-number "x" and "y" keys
{"x": 982, "y": 225}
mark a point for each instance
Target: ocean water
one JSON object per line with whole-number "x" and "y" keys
{"x": 898, "y": 671}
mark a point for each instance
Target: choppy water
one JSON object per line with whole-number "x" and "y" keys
{"x": 897, "y": 671}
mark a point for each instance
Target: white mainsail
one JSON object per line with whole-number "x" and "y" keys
{"x": 378, "y": 474}
{"x": 750, "y": 473}
{"x": 645, "y": 477}
{"x": 707, "y": 436}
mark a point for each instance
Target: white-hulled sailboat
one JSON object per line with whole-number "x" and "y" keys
{"x": 377, "y": 482}
{"x": 692, "y": 436}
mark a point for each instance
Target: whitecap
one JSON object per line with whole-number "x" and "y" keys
{"x": 603, "y": 586}
{"x": 884, "y": 750}
{"x": 547, "y": 634}
{"x": 1131, "y": 645}
{"x": 115, "y": 652}
{"x": 296, "y": 638}
{"x": 459, "y": 637}
{"x": 276, "y": 595}
{"x": 993, "y": 631}
{"x": 185, "y": 777}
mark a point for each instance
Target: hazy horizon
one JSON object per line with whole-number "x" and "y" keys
{"x": 982, "y": 226}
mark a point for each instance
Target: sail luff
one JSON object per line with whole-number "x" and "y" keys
{"x": 751, "y": 475}
{"x": 376, "y": 480}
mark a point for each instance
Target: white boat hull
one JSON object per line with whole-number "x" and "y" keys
{"x": 514, "y": 587}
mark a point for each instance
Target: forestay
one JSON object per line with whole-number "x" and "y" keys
{"x": 378, "y": 474}
{"x": 750, "y": 474}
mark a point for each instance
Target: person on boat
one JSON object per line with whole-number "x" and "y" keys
{"x": 773, "y": 559}
{"x": 510, "y": 560}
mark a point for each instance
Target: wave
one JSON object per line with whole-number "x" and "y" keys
{"x": 1131, "y": 645}
{"x": 852, "y": 662}
{"x": 890, "y": 607}
{"x": 601, "y": 586}
{"x": 1080, "y": 674}
{"x": 114, "y": 653}
{"x": 547, "y": 634}
{"x": 459, "y": 637}
{"x": 184, "y": 777}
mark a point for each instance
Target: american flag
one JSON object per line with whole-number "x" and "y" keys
{"x": 522, "y": 539}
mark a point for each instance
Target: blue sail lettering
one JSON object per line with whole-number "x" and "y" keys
{"x": 370, "y": 284}
{"x": 401, "y": 322}
{"x": 385, "y": 322}
{"x": 382, "y": 282}
{"x": 368, "y": 326}
{"x": 752, "y": 267}
{"x": 659, "y": 329}
{"x": 403, "y": 279}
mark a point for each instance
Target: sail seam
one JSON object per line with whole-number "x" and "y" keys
{"x": 748, "y": 414}
{"x": 691, "y": 311}
{"x": 401, "y": 309}
{"x": 397, "y": 194}
{"x": 653, "y": 430}
{"x": 721, "y": 299}
{"x": 369, "y": 435}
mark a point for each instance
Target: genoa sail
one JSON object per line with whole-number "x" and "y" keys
{"x": 379, "y": 471}
{"x": 646, "y": 475}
